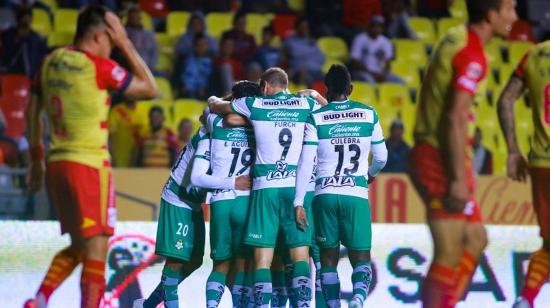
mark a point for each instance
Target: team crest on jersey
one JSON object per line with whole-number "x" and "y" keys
{"x": 338, "y": 181}
{"x": 474, "y": 70}
{"x": 282, "y": 172}
{"x": 179, "y": 244}
{"x": 118, "y": 73}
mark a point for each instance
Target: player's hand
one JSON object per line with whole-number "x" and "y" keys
{"x": 115, "y": 29}
{"x": 301, "y": 218}
{"x": 370, "y": 179}
{"x": 458, "y": 196}
{"x": 243, "y": 182}
{"x": 35, "y": 176}
{"x": 517, "y": 167}
{"x": 308, "y": 92}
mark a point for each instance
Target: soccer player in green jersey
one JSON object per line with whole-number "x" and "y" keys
{"x": 341, "y": 135}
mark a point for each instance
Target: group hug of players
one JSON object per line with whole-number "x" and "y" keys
{"x": 287, "y": 174}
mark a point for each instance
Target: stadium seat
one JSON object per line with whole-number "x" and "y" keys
{"x": 424, "y": 29}
{"x": 176, "y": 23}
{"x": 364, "y": 92}
{"x": 296, "y": 5}
{"x": 41, "y": 22}
{"x": 166, "y": 43}
{"x": 494, "y": 53}
{"x": 284, "y": 25}
{"x": 333, "y": 47}
{"x": 521, "y": 31}
{"x": 65, "y": 20}
{"x": 446, "y": 23}
{"x": 188, "y": 108}
{"x": 56, "y": 39}
{"x": 516, "y": 51}
{"x": 294, "y": 88}
{"x": 51, "y": 3}
{"x": 410, "y": 51}
{"x": 14, "y": 95}
{"x": 397, "y": 104}
{"x": 458, "y": 9}
{"x": 505, "y": 72}
{"x": 408, "y": 73}
{"x": 256, "y": 22}
{"x": 165, "y": 90}
{"x": 218, "y": 22}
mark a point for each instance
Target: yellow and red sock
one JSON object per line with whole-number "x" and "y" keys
{"x": 464, "y": 272}
{"x": 438, "y": 287}
{"x": 63, "y": 264}
{"x": 92, "y": 283}
{"x": 537, "y": 274}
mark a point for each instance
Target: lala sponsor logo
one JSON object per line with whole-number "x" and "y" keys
{"x": 340, "y": 129}
{"x": 338, "y": 181}
{"x": 282, "y": 172}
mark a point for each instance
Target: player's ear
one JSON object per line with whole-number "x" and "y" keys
{"x": 350, "y": 89}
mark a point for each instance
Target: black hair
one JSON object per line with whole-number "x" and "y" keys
{"x": 21, "y": 12}
{"x": 478, "y": 10}
{"x": 90, "y": 17}
{"x": 156, "y": 109}
{"x": 238, "y": 15}
{"x": 245, "y": 88}
{"x": 337, "y": 81}
{"x": 274, "y": 76}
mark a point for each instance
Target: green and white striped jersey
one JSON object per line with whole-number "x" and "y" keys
{"x": 178, "y": 189}
{"x": 232, "y": 154}
{"x": 344, "y": 132}
{"x": 278, "y": 121}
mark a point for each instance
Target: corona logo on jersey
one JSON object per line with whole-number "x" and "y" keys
{"x": 281, "y": 172}
{"x": 340, "y": 130}
{"x": 338, "y": 181}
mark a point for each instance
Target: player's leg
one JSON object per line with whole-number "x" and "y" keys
{"x": 330, "y": 282}
{"x": 315, "y": 254}
{"x": 92, "y": 281}
{"x": 538, "y": 271}
{"x": 280, "y": 291}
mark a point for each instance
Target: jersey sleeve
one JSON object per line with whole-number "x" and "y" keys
{"x": 469, "y": 69}
{"x": 201, "y": 165}
{"x": 203, "y": 149}
{"x": 210, "y": 122}
{"x": 242, "y": 106}
{"x": 112, "y": 76}
{"x": 520, "y": 69}
{"x": 377, "y": 134}
{"x": 310, "y": 132}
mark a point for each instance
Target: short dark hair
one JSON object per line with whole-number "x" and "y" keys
{"x": 478, "y": 10}
{"x": 90, "y": 17}
{"x": 245, "y": 88}
{"x": 338, "y": 80}
{"x": 275, "y": 76}
{"x": 238, "y": 15}
{"x": 156, "y": 109}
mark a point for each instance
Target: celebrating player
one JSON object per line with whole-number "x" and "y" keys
{"x": 278, "y": 120}
{"x": 341, "y": 135}
{"x": 533, "y": 75}
{"x": 231, "y": 157}
{"x": 73, "y": 87}
{"x": 441, "y": 168}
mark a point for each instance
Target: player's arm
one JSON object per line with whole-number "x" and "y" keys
{"x": 142, "y": 85}
{"x": 201, "y": 178}
{"x": 379, "y": 152}
{"x": 234, "y": 120}
{"x": 219, "y": 106}
{"x": 35, "y": 175}
{"x": 315, "y": 95}
{"x": 516, "y": 164}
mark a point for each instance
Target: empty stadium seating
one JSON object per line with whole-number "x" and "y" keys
{"x": 176, "y": 23}
{"x": 41, "y": 22}
{"x": 364, "y": 93}
{"x": 188, "y": 108}
{"x": 410, "y": 51}
{"x": 256, "y": 22}
{"x": 165, "y": 90}
{"x": 408, "y": 73}
{"x": 333, "y": 48}
{"x": 517, "y": 49}
{"x": 444, "y": 24}
{"x": 218, "y": 22}
{"x": 65, "y": 20}
{"x": 424, "y": 28}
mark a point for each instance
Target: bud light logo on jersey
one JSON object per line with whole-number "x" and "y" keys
{"x": 338, "y": 181}
{"x": 275, "y": 103}
{"x": 282, "y": 172}
{"x": 341, "y": 130}
{"x": 336, "y": 116}
{"x": 283, "y": 115}
{"x": 237, "y": 134}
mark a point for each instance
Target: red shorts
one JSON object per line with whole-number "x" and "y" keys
{"x": 83, "y": 198}
{"x": 540, "y": 186}
{"x": 430, "y": 179}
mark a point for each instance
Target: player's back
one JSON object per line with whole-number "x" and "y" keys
{"x": 534, "y": 68}
{"x": 458, "y": 62}
{"x": 345, "y": 132}
{"x": 74, "y": 89}
{"x": 278, "y": 122}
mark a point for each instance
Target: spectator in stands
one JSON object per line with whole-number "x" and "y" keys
{"x": 159, "y": 145}
{"x": 200, "y": 5}
{"x": 397, "y": 14}
{"x": 303, "y": 56}
{"x": 358, "y": 13}
{"x": 197, "y": 69}
{"x": 229, "y": 68}
{"x": 185, "y": 131}
{"x": 254, "y": 72}
{"x": 143, "y": 39}
{"x": 21, "y": 48}
{"x": 433, "y": 8}
{"x": 184, "y": 45}
{"x": 245, "y": 44}
{"x": 483, "y": 158}
{"x": 264, "y": 6}
{"x": 326, "y": 15}
{"x": 124, "y": 134}
{"x": 371, "y": 54}
{"x": 268, "y": 55}
{"x": 398, "y": 149}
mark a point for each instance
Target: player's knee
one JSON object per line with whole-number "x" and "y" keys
{"x": 477, "y": 240}
{"x": 96, "y": 247}
{"x": 300, "y": 254}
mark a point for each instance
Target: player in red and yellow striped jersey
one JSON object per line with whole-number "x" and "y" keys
{"x": 532, "y": 75}
{"x": 73, "y": 87}
{"x": 441, "y": 168}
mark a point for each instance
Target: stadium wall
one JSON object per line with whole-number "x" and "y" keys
{"x": 401, "y": 254}
{"x": 393, "y": 198}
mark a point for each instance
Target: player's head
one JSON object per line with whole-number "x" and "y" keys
{"x": 156, "y": 118}
{"x": 185, "y": 129}
{"x": 91, "y": 28}
{"x": 499, "y": 14}
{"x": 273, "y": 81}
{"x": 338, "y": 83}
{"x": 245, "y": 88}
